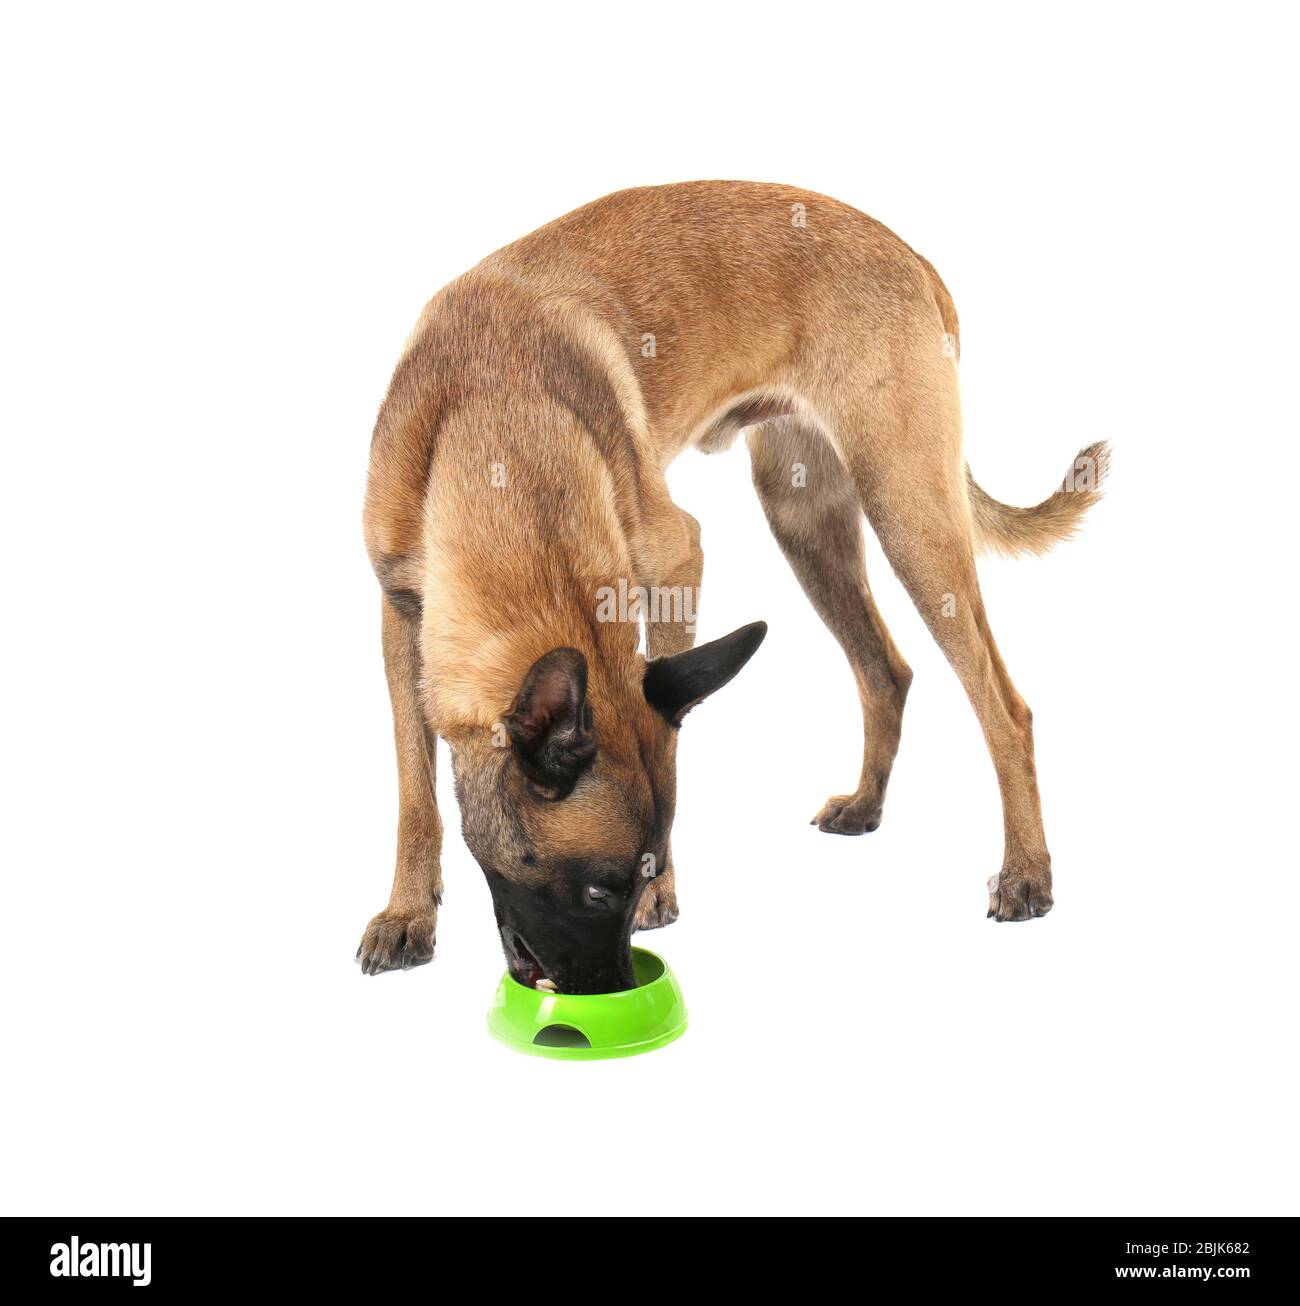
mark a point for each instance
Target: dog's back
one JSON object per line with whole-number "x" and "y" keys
{"x": 713, "y": 287}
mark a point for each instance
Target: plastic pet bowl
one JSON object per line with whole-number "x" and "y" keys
{"x": 592, "y": 1026}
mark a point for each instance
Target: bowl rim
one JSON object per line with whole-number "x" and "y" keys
{"x": 663, "y": 977}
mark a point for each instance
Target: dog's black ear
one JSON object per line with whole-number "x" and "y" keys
{"x": 550, "y": 725}
{"x": 674, "y": 685}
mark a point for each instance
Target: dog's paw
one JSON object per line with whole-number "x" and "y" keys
{"x": 849, "y": 814}
{"x": 397, "y": 940}
{"x": 658, "y": 905}
{"x": 1019, "y": 895}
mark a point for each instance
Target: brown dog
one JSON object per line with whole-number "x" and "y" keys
{"x": 517, "y": 502}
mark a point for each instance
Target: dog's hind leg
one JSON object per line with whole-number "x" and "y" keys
{"x": 402, "y": 935}
{"x": 816, "y": 518}
{"x": 898, "y": 430}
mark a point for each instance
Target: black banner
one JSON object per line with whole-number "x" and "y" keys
{"x": 383, "y": 1255}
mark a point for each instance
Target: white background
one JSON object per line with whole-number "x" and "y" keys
{"x": 221, "y": 222}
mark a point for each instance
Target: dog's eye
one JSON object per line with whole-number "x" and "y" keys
{"x": 603, "y": 899}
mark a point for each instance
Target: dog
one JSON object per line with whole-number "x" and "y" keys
{"x": 517, "y": 482}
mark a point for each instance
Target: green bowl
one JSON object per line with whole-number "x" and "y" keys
{"x": 592, "y": 1026}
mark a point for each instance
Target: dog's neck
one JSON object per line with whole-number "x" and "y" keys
{"x": 519, "y": 547}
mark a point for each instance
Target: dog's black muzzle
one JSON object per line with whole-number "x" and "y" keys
{"x": 550, "y": 945}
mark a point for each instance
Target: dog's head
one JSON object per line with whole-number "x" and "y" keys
{"x": 568, "y": 810}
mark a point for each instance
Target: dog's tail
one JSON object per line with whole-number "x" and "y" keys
{"x": 1000, "y": 528}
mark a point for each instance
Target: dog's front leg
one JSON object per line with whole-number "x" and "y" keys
{"x": 402, "y": 935}
{"x": 676, "y": 609}
{"x": 658, "y": 906}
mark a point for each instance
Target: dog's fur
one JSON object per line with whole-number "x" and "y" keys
{"x": 517, "y": 467}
